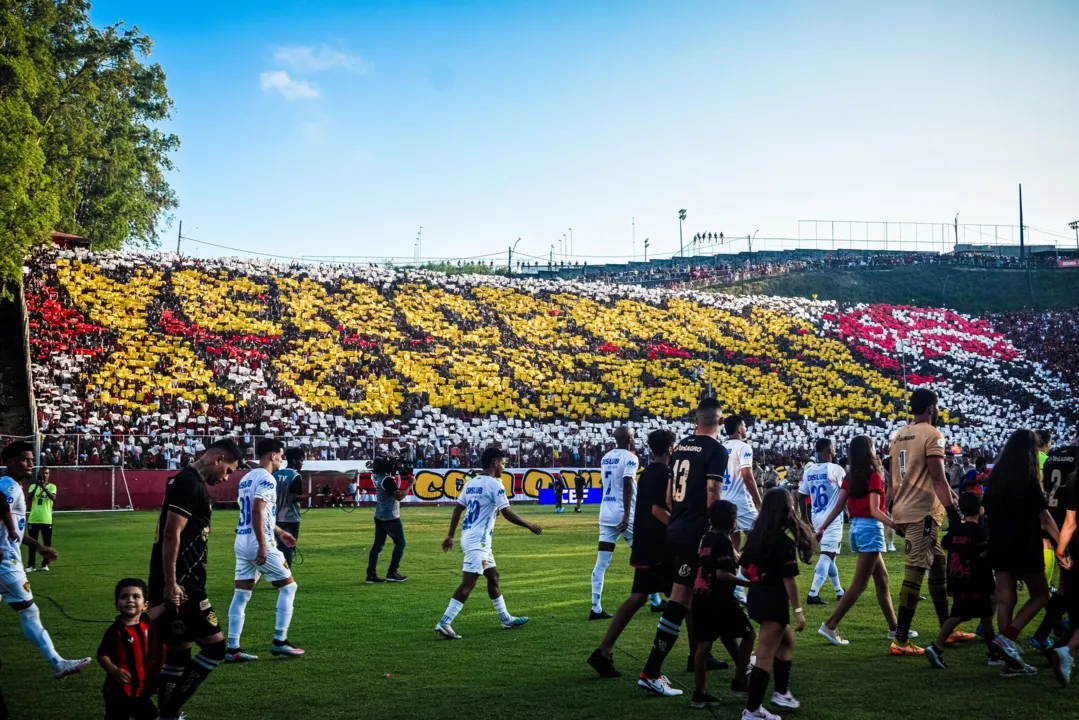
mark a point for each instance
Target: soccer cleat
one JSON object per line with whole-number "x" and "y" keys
{"x": 659, "y": 686}
{"x": 601, "y": 615}
{"x": 237, "y": 655}
{"x": 447, "y": 632}
{"x": 958, "y": 636}
{"x": 907, "y": 649}
{"x": 1062, "y": 661}
{"x": 603, "y": 665}
{"x": 69, "y": 667}
{"x": 702, "y": 700}
{"x": 759, "y": 714}
{"x": 1009, "y": 653}
{"x": 577, "y": 510}
{"x": 372, "y": 579}
{"x": 1008, "y": 671}
{"x": 1041, "y": 644}
{"x": 785, "y": 700}
{"x": 559, "y": 510}
{"x": 911, "y": 634}
{"x": 514, "y": 622}
{"x": 659, "y": 608}
{"x": 831, "y": 635}
{"x": 284, "y": 649}
{"x": 814, "y": 600}
{"x": 994, "y": 661}
{"x": 395, "y": 577}
{"x": 935, "y": 657}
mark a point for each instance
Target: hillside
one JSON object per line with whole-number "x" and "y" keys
{"x": 967, "y": 290}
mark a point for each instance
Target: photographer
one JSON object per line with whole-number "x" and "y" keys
{"x": 389, "y": 493}
{"x": 289, "y": 496}
{"x": 40, "y": 498}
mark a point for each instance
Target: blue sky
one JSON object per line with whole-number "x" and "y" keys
{"x": 340, "y": 128}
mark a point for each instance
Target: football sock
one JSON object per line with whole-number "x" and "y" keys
{"x": 197, "y": 670}
{"x": 451, "y": 611}
{"x": 1054, "y": 613}
{"x": 35, "y": 632}
{"x": 1050, "y": 557}
{"x": 667, "y": 632}
{"x": 909, "y": 593}
{"x": 603, "y": 559}
{"x": 286, "y": 596}
{"x": 758, "y": 684}
{"x": 500, "y": 608}
{"x": 655, "y": 599}
{"x": 782, "y": 670}
{"x": 237, "y": 612}
{"x": 820, "y": 574}
{"x": 833, "y": 577}
{"x": 938, "y": 589}
{"x": 172, "y": 670}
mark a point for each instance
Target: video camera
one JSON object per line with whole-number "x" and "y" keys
{"x": 391, "y": 466}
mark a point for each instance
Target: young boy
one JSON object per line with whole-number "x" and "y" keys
{"x": 131, "y": 655}
{"x": 970, "y": 578}
{"x": 716, "y": 612}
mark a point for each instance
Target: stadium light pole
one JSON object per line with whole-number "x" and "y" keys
{"x": 1074, "y": 225}
{"x": 646, "y": 249}
{"x": 681, "y": 218}
{"x": 571, "y": 243}
{"x": 509, "y": 259}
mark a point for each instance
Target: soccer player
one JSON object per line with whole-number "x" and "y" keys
{"x": 920, "y": 495}
{"x": 289, "y": 496}
{"x": 481, "y": 500}
{"x": 651, "y": 573}
{"x": 18, "y": 456}
{"x": 178, "y": 599}
{"x": 130, "y": 654}
{"x": 821, "y": 483}
{"x": 739, "y": 485}
{"x": 619, "y": 468}
{"x": 697, "y": 466}
{"x": 1059, "y": 465}
{"x": 257, "y": 553}
{"x": 970, "y": 578}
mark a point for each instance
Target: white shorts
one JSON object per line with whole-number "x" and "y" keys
{"x": 14, "y": 587}
{"x": 746, "y": 518}
{"x": 832, "y": 539}
{"x": 478, "y": 561}
{"x": 275, "y": 568}
{"x": 609, "y": 534}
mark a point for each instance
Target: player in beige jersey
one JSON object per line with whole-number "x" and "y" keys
{"x": 921, "y": 497}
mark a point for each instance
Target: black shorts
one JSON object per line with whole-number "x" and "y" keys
{"x": 122, "y": 707}
{"x": 1069, "y": 585}
{"x": 578, "y": 486}
{"x": 652, "y": 580}
{"x": 718, "y": 617}
{"x": 769, "y": 603}
{"x": 972, "y": 606}
{"x": 1018, "y": 562}
{"x": 683, "y": 559}
{"x": 195, "y": 620}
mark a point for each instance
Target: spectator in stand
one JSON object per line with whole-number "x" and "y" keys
{"x": 40, "y": 497}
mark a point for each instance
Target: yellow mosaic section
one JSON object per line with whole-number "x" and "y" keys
{"x": 115, "y": 305}
{"x": 219, "y": 304}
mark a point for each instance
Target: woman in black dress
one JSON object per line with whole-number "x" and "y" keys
{"x": 779, "y": 538}
{"x": 1016, "y": 514}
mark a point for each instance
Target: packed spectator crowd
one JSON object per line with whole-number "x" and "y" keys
{"x": 143, "y": 360}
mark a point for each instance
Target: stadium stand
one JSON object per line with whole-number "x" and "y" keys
{"x": 141, "y": 360}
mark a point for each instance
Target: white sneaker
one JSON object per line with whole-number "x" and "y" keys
{"x": 759, "y": 714}
{"x": 911, "y": 634}
{"x": 45, "y": 568}
{"x": 660, "y": 686}
{"x": 831, "y": 635}
{"x": 891, "y": 547}
{"x": 447, "y": 632}
{"x": 30, "y": 570}
{"x": 69, "y": 667}
{"x": 1062, "y": 665}
{"x": 785, "y": 700}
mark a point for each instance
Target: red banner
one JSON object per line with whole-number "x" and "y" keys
{"x": 1068, "y": 263}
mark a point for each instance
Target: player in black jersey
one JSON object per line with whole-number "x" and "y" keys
{"x": 697, "y": 466}
{"x": 178, "y": 578}
{"x": 1061, "y": 463}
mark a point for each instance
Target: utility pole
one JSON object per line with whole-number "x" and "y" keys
{"x": 179, "y": 236}
{"x": 633, "y": 222}
{"x": 1022, "y": 239}
{"x": 681, "y": 217}
{"x": 1074, "y": 225}
{"x": 571, "y": 242}
{"x": 646, "y": 249}
{"x": 956, "y": 247}
{"x": 509, "y": 258}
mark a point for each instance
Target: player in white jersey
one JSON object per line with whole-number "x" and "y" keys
{"x": 257, "y": 553}
{"x": 739, "y": 485}
{"x": 14, "y": 588}
{"x": 821, "y": 483}
{"x": 481, "y": 500}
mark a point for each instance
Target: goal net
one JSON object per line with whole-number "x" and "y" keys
{"x": 101, "y": 488}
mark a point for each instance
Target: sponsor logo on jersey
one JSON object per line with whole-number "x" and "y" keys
{"x": 684, "y": 571}
{"x": 688, "y": 448}
{"x": 211, "y": 617}
{"x": 204, "y": 604}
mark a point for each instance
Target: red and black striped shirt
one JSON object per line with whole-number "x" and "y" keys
{"x": 134, "y": 648}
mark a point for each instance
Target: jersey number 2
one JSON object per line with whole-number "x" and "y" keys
{"x": 1055, "y": 480}
{"x": 681, "y": 473}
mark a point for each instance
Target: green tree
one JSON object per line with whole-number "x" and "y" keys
{"x": 81, "y": 147}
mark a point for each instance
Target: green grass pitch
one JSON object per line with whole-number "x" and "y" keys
{"x": 372, "y": 651}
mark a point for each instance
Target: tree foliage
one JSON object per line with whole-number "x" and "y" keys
{"x": 81, "y": 147}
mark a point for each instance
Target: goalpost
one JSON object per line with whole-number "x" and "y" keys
{"x": 96, "y": 488}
